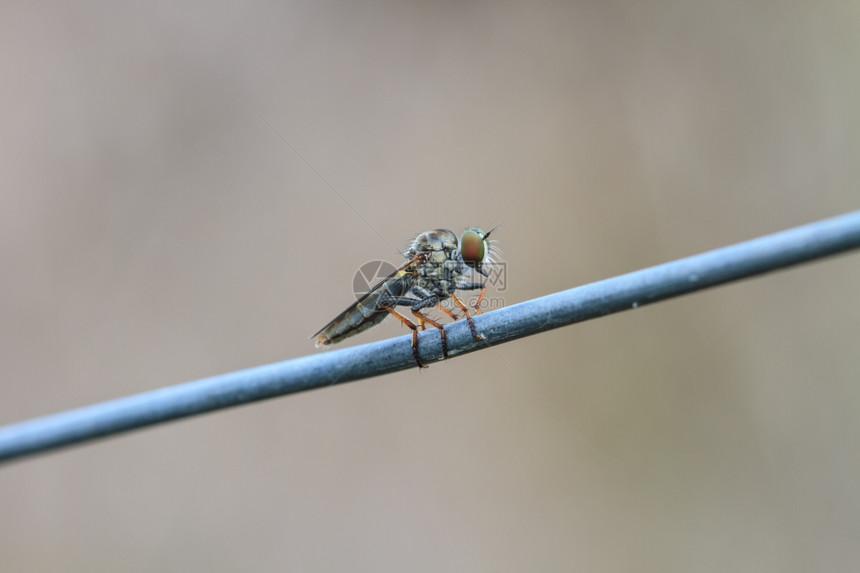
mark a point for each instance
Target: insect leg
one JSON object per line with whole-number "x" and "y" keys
{"x": 465, "y": 310}
{"x": 480, "y": 298}
{"x": 475, "y": 286}
{"x": 423, "y": 293}
{"x": 432, "y": 300}
{"x": 414, "y": 328}
{"x": 446, "y": 311}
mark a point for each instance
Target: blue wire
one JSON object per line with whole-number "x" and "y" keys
{"x": 750, "y": 258}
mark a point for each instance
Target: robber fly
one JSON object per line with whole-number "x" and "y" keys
{"x": 437, "y": 265}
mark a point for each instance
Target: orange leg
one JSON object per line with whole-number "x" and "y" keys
{"x": 465, "y": 310}
{"x": 446, "y": 311}
{"x": 423, "y": 318}
{"x": 414, "y": 328}
{"x": 478, "y": 302}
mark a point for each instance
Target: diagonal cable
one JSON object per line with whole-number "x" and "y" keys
{"x": 624, "y": 292}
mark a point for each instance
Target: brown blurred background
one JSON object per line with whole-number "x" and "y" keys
{"x": 187, "y": 189}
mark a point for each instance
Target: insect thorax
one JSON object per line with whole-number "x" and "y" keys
{"x": 441, "y": 268}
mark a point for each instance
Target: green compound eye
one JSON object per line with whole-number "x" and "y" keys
{"x": 473, "y": 247}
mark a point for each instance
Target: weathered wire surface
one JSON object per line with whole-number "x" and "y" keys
{"x": 754, "y": 257}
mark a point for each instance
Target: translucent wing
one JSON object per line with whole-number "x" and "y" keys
{"x": 370, "y": 309}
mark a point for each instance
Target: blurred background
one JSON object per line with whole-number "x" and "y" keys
{"x": 188, "y": 189}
